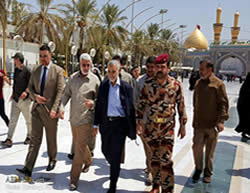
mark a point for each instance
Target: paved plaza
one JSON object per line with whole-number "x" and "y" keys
{"x": 231, "y": 163}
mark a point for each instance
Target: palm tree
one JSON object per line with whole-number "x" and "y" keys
{"x": 153, "y": 31}
{"x": 77, "y": 14}
{"x": 85, "y": 10}
{"x": 18, "y": 12}
{"x": 97, "y": 40}
{"x": 167, "y": 43}
{"x": 139, "y": 46}
{"x": 167, "y": 34}
{"x": 4, "y": 9}
{"x": 111, "y": 19}
{"x": 67, "y": 10}
{"x": 33, "y": 25}
{"x": 114, "y": 35}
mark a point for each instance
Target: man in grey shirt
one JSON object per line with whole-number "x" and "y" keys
{"x": 82, "y": 88}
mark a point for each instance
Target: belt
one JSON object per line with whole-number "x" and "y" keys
{"x": 114, "y": 118}
{"x": 162, "y": 119}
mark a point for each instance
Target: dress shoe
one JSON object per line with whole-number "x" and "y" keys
{"x": 24, "y": 172}
{"x": 27, "y": 141}
{"x": 196, "y": 176}
{"x": 112, "y": 188}
{"x": 7, "y": 142}
{"x": 245, "y": 137}
{"x": 51, "y": 165}
{"x": 72, "y": 187}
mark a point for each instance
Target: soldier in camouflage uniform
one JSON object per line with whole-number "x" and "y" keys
{"x": 160, "y": 95}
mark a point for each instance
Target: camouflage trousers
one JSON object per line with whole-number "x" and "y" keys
{"x": 161, "y": 161}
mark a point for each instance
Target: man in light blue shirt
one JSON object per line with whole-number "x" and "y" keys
{"x": 114, "y": 102}
{"x": 115, "y": 114}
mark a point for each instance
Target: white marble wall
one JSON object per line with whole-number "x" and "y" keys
{"x": 29, "y": 50}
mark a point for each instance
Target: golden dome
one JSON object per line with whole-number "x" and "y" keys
{"x": 196, "y": 40}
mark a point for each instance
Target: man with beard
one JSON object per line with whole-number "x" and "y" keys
{"x": 210, "y": 104}
{"x": 81, "y": 88}
{"x": 160, "y": 96}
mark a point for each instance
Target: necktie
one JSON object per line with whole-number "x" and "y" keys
{"x": 43, "y": 80}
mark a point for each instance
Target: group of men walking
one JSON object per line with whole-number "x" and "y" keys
{"x": 146, "y": 107}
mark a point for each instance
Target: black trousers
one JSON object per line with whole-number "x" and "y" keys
{"x": 113, "y": 134}
{"x": 2, "y": 112}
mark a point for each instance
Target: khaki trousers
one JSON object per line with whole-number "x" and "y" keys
{"x": 91, "y": 145}
{"x": 204, "y": 138}
{"x": 24, "y": 107}
{"x": 40, "y": 118}
{"x": 81, "y": 137}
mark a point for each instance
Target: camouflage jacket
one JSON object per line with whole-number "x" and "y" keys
{"x": 160, "y": 101}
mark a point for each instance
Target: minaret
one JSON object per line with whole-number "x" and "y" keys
{"x": 217, "y": 26}
{"x": 235, "y": 30}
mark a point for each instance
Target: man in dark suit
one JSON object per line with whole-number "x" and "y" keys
{"x": 46, "y": 87}
{"x": 115, "y": 115}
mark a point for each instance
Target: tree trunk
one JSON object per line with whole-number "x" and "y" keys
{"x": 103, "y": 63}
{"x": 81, "y": 40}
{"x": 66, "y": 55}
{"x": 41, "y": 33}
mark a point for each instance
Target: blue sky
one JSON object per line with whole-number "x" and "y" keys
{"x": 189, "y": 13}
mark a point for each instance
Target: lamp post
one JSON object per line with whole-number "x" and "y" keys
{"x": 182, "y": 47}
{"x": 132, "y": 20}
{"x": 162, "y": 12}
{"x": 182, "y": 27}
{"x": 133, "y": 10}
{"x": 148, "y": 19}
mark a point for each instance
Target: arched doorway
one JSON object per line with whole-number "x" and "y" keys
{"x": 232, "y": 65}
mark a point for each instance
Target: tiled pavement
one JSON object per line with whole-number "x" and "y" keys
{"x": 231, "y": 163}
